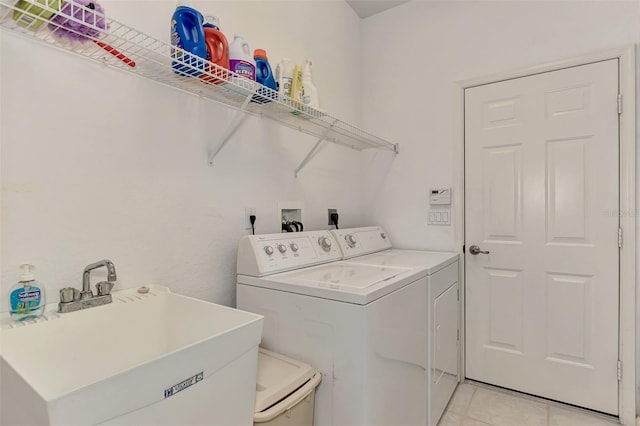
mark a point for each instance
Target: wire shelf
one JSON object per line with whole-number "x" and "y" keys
{"x": 88, "y": 32}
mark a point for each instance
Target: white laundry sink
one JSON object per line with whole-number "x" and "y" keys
{"x": 154, "y": 358}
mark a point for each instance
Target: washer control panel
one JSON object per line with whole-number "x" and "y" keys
{"x": 360, "y": 241}
{"x": 260, "y": 255}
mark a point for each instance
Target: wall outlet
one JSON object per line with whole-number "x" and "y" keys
{"x": 248, "y": 211}
{"x": 329, "y": 215}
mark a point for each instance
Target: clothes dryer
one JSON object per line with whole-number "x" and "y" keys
{"x": 372, "y": 246}
{"x": 362, "y": 326}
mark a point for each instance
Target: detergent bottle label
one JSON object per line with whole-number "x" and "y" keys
{"x": 175, "y": 41}
{"x": 243, "y": 68}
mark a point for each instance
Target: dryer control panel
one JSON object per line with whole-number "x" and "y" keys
{"x": 359, "y": 241}
{"x": 260, "y": 255}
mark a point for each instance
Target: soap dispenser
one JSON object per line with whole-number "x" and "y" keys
{"x": 27, "y": 298}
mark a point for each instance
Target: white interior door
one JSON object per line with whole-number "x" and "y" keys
{"x": 541, "y": 196}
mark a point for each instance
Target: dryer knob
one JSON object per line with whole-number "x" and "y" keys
{"x": 282, "y": 248}
{"x": 351, "y": 240}
{"x": 325, "y": 243}
{"x": 268, "y": 250}
{"x": 383, "y": 235}
{"x": 294, "y": 247}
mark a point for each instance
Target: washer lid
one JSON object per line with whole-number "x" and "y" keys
{"x": 347, "y": 282}
{"x": 278, "y": 376}
{"x": 430, "y": 261}
{"x": 345, "y": 275}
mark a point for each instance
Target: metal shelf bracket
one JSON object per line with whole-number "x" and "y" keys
{"x": 315, "y": 148}
{"x": 238, "y": 119}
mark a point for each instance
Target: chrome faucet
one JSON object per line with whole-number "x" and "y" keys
{"x": 86, "y": 292}
{"x": 72, "y": 299}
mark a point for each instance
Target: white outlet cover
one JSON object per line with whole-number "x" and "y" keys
{"x": 249, "y": 211}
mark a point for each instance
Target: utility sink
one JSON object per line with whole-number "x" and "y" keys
{"x": 157, "y": 358}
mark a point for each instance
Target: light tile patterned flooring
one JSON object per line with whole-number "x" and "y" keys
{"x": 475, "y": 404}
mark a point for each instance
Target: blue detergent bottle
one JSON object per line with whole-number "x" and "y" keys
{"x": 187, "y": 33}
{"x": 264, "y": 76}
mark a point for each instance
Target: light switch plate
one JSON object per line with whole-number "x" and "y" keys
{"x": 439, "y": 217}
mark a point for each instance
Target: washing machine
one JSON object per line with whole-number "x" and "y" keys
{"x": 363, "y": 327}
{"x": 372, "y": 246}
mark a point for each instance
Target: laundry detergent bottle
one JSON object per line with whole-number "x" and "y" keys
{"x": 241, "y": 61}
{"x": 217, "y": 51}
{"x": 27, "y": 298}
{"x": 285, "y": 77}
{"x": 187, "y": 33}
{"x": 264, "y": 75}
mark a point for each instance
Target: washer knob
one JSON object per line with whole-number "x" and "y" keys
{"x": 294, "y": 247}
{"x": 325, "y": 243}
{"x": 268, "y": 250}
{"x": 383, "y": 235}
{"x": 351, "y": 240}
{"x": 282, "y": 248}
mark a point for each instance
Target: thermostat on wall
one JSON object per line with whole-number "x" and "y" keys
{"x": 440, "y": 196}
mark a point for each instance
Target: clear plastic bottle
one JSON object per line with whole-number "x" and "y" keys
{"x": 27, "y": 297}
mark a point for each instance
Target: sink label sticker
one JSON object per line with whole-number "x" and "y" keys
{"x": 184, "y": 384}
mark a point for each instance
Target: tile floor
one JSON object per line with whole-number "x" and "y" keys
{"x": 479, "y": 405}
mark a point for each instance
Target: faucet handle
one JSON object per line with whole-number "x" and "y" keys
{"x": 69, "y": 294}
{"x": 104, "y": 288}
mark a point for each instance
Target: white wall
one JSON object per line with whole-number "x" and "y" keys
{"x": 98, "y": 163}
{"x": 413, "y": 56}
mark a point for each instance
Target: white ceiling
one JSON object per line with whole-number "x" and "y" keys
{"x": 365, "y": 8}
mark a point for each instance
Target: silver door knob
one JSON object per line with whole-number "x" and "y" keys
{"x": 476, "y": 250}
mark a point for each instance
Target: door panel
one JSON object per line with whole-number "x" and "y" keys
{"x": 541, "y": 171}
{"x": 505, "y": 310}
{"x": 568, "y": 183}
{"x": 502, "y": 193}
{"x": 569, "y": 302}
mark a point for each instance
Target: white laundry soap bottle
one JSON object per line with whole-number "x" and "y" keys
{"x": 241, "y": 59}
{"x": 310, "y": 94}
{"x": 27, "y": 297}
{"x": 285, "y": 76}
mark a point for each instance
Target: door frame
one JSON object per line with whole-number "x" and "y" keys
{"x": 627, "y": 208}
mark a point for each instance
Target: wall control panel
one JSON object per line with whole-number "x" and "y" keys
{"x": 440, "y": 202}
{"x": 440, "y": 196}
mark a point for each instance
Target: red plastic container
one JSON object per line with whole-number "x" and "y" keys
{"x": 217, "y": 52}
